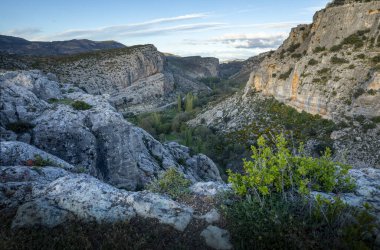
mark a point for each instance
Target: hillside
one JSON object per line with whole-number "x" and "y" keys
{"x": 136, "y": 79}
{"x": 20, "y": 46}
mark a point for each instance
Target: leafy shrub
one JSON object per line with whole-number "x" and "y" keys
{"x": 277, "y": 170}
{"x": 172, "y": 183}
{"x": 361, "y": 56}
{"x": 359, "y": 92}
{"x": 293, "y": 47}
{"x": 368, "y": 125}
{"x": 336, "y": 48}
{"x": 360, "y": 118}
{"x": 313, "y": 62}
{"x": 376, "y": 119}
{"x": 19, "y": 127}
{"x": 319, "y": 49}
{"x": 375, "y": 59}
{"x": 296, "y": 55}
{"x": 285, "y": 75}
{"x": 81, "y": 105}
{"x": 355, "y": 40}
{"x": 371, "y": 92}
{"x": 323, "y": 71}
{"x": 38, "y": 161}
{"x": 338, "y": 60}
{"x": 65, "y": 101}
{"x": 274, "y": 208}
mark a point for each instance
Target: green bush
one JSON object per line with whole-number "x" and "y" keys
{"x": 376, "y": 119}
{"x": 19, "y": 127}
{"x": 361, "y": 56}
{"x": 296, "y": 55}
{"x": 313, "y": 62}
{"x": 371, "y": 92}
{"x": 338, "y": 60}
{"x": 65, "y": 101}
{"x": 355, "y": 40}
{"x": 336, "y": 48}
{"x": 274, "y": 208}
{"x": 38, "y": 161}
{"x": 293, "y": 47}
{"x": 359, "y": 92}
{"x": 172, "y": 183}
{"x": 323, "y": 71}
{"x": 375, "y": 59}
{"x": 368, "y": 125}
{"x": 277, "y": 170}
{"x": 285, "y": 75}
{"x": 81, "y": 105}
{"x": 319, "y": 49}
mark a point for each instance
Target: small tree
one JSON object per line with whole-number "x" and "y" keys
{"x": 179, "y": 103}
{"x": 189, "y": 102}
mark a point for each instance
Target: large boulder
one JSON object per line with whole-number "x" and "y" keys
{"x": 82, "y": 197}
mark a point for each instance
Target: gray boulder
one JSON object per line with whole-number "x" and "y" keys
{"x": 216, "y": 237}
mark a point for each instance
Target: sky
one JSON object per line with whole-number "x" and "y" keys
{"x": 226, "y": 29}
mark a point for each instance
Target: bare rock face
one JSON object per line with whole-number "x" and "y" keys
{"x": 82, "y": 197}
{"x": 97, "y": 140}
{"x": 327, "y": 69}
{"x": 194, "y": 66}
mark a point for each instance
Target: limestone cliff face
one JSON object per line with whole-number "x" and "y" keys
{"x": 328, "y": 67}
{"x": 195, "y": 66}
{"x": 135, "y": 79}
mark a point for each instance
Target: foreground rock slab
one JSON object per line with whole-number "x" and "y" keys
{"x": 86, "y": 198}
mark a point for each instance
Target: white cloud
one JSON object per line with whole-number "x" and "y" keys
{"x": 24, "y": 32}
{"x": 119, "y": 30}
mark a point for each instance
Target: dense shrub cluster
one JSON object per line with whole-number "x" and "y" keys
{"x": 286, "y": 74}
{"x": 275, "y": 209}
{"x": 81, "y": 105}
{"x": 172, "y": 183}
{"x": 277, "y": 170}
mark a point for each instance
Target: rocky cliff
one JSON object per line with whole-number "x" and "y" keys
{"x": 329, "y": 67}
{"x": 19, "y": 46}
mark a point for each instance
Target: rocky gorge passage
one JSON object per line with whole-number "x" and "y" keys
{"x": 322, "y": 69}
{"x": 68, "y": 156}
{"x": 39, "y": 123}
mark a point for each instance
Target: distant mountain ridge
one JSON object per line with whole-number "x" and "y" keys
{"x": 20, "y": 46}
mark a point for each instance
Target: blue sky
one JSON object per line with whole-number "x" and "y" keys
{"x": 233, "y": 29}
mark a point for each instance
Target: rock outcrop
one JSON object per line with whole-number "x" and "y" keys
{"x": 98, "y": 140}
{"x": 325, "y": 69}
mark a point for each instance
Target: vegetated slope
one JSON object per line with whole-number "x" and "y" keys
{"x": 20, "y": 46}
{"x": 329, "y": 68}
